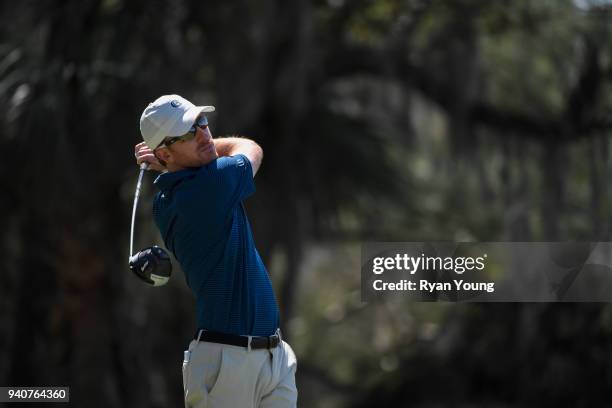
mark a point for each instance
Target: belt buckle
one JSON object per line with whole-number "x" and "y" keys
{"x": 273, "y": 341}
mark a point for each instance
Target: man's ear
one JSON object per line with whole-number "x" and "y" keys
{"x": 163, "y": 154}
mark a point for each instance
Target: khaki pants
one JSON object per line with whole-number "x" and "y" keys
{"x": 219, "y": 375}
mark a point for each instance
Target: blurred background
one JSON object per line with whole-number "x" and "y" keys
{"x": 381, "y": 120}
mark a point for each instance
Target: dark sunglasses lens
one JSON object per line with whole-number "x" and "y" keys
{"x": 203, "y": 121}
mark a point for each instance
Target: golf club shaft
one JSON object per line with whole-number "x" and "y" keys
{"x": 143, "y": 167}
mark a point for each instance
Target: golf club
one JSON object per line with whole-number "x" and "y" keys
{"x": 151, "y": 265}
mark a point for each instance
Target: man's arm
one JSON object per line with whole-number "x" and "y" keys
{"x": 231, "y": 146}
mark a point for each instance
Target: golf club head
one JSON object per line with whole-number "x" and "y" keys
{"x": 152, "y": 265}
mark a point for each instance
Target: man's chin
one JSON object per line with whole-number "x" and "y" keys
{"x": 210, "y": 157}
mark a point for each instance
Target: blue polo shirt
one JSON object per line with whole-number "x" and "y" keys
{"x": 202, "y": 220}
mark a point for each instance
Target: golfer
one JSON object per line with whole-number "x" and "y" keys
{"x": 237, "y": 357}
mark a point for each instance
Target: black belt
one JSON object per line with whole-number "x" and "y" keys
{"x": 241, "y": 341}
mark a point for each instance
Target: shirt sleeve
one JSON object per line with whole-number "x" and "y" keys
{"x": 233, "y": 177}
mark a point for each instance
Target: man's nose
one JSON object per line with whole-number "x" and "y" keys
{"x": 202, "y": 135}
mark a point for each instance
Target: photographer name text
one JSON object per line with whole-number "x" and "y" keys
{"x": 422, "y": 263}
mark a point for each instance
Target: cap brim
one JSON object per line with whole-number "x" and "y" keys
{"x": 188, "y": 119}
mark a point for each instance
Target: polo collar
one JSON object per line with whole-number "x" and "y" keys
{"x": 169, "y": 180}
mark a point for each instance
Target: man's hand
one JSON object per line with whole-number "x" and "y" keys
{"x": 143, "y": 153}
{"x": 231, "y": 146}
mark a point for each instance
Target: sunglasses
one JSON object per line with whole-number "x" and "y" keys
{"x": 201, "y": 122}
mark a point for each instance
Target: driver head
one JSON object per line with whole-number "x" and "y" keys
{"x": 152, "y": 265}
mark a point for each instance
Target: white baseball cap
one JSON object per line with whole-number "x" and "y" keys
{"x": 168, "y": 115}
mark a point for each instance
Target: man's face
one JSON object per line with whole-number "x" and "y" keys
{"x": 190, "y": 153}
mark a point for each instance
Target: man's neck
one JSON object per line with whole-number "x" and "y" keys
{"x": 171, "y": 168}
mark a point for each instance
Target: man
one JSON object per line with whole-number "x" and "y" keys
{"x": 237, "y": 358}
